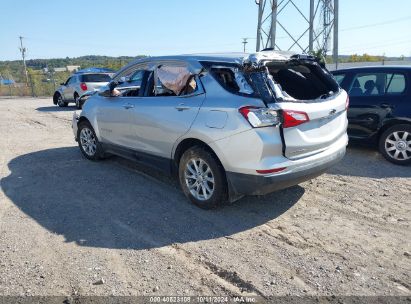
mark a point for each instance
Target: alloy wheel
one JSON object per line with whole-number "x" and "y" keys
{"x": 88, "y": 141}
{"x": 199, "y": 179}
{"x": 60, "y": 101}
{"x": 398, "y": 145}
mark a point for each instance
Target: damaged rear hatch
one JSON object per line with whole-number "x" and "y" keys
{"x": 312, "y": 105}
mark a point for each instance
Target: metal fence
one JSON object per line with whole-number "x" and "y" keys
{"x": 343, "y": 65}
{"x": 39, "y": 84}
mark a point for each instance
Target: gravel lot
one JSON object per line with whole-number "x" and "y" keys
{"x": 69, "y": 226}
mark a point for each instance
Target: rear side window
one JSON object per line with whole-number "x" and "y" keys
{"x": 231, "y": 78}
{"x": 95, "y": 78}
{"x": 396, "y": 84}
{"x": 377, "y": 84}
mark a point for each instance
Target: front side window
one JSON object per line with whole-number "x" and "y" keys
{"x": 168, "y": 80}
{"x": 137, "y": 76}
{"x": 72, "y": 80}
{"x": 128, "y": 83}
{"x": 377, "y": 84}
{"x": 67, "y": 81}
{"x": 132, "y": 84}
{"x": 339, "y": 78}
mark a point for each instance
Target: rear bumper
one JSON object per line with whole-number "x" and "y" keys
{"x": 300, "y": 171}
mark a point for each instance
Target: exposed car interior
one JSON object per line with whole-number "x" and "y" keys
{"x": 303, "y": 81}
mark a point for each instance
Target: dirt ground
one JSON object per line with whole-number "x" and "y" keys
{"x": 69, "y": 226}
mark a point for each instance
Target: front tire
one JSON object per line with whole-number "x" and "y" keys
{"x": 395, "y": 144}
{"x": 60, "y": 101}
{"x": 88, "y": 142}
{"x": 202, "y": 178}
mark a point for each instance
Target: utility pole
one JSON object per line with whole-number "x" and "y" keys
{"x": 335, "y": 38}
{"x": 270, "y": 28}
{"x": 23, "y": 55}
{"x": 244, "y": 42}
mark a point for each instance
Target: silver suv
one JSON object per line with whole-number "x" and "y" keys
{"x": 227, "y": 125}
{"x": 80, "y": 83}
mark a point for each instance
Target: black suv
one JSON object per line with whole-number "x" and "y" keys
{"x": 380, "y": 108}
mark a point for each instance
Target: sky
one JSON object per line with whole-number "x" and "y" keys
{"x": 57, "y": 28}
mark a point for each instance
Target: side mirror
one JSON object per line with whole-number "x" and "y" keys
{"x": 107, "y": 90}
{"x": 124, "y": 79}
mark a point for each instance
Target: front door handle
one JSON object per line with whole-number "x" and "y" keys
{"x": 128, "y": 106}
{"x": 182, "y": 107}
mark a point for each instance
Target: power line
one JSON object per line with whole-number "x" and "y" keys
{"x": 376, "y": 24}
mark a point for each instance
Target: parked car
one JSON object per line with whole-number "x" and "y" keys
{"x": 81, "y": 83}
{"x": 225, "y": 125}
{"x": 380, "y": 108}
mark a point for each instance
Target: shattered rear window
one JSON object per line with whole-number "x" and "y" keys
{"x": 231, "y": 78}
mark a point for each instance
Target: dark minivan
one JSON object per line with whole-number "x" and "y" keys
{"x": 380, "y": 108}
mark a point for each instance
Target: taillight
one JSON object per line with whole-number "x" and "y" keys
{"x": 294, "y": 118}
{"x": 347, "y": 103}
{"x": 260, "y": 117}
{"x": 83, "y": 86}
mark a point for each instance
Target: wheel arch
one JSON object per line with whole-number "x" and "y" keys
{"x": 391, "y": 123}
{"x": 186, "y": 144}
{"x": 81, "y": 120}
{"x": 191, "y": 142}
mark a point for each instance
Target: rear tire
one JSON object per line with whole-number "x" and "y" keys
{"x": 202, "y": 178}
{"x": 395, "y": 144}
{"x": 88, "y": 142}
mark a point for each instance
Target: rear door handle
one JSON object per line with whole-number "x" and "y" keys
{"x": 385, "y": 105}
{"x": 128, "y": 106}
{"x": 182, "y": 107}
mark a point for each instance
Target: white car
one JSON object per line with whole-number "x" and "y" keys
{"x": 79, "y": 84}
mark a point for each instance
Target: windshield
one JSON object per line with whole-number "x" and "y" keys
{"x": 96, "y": 78}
